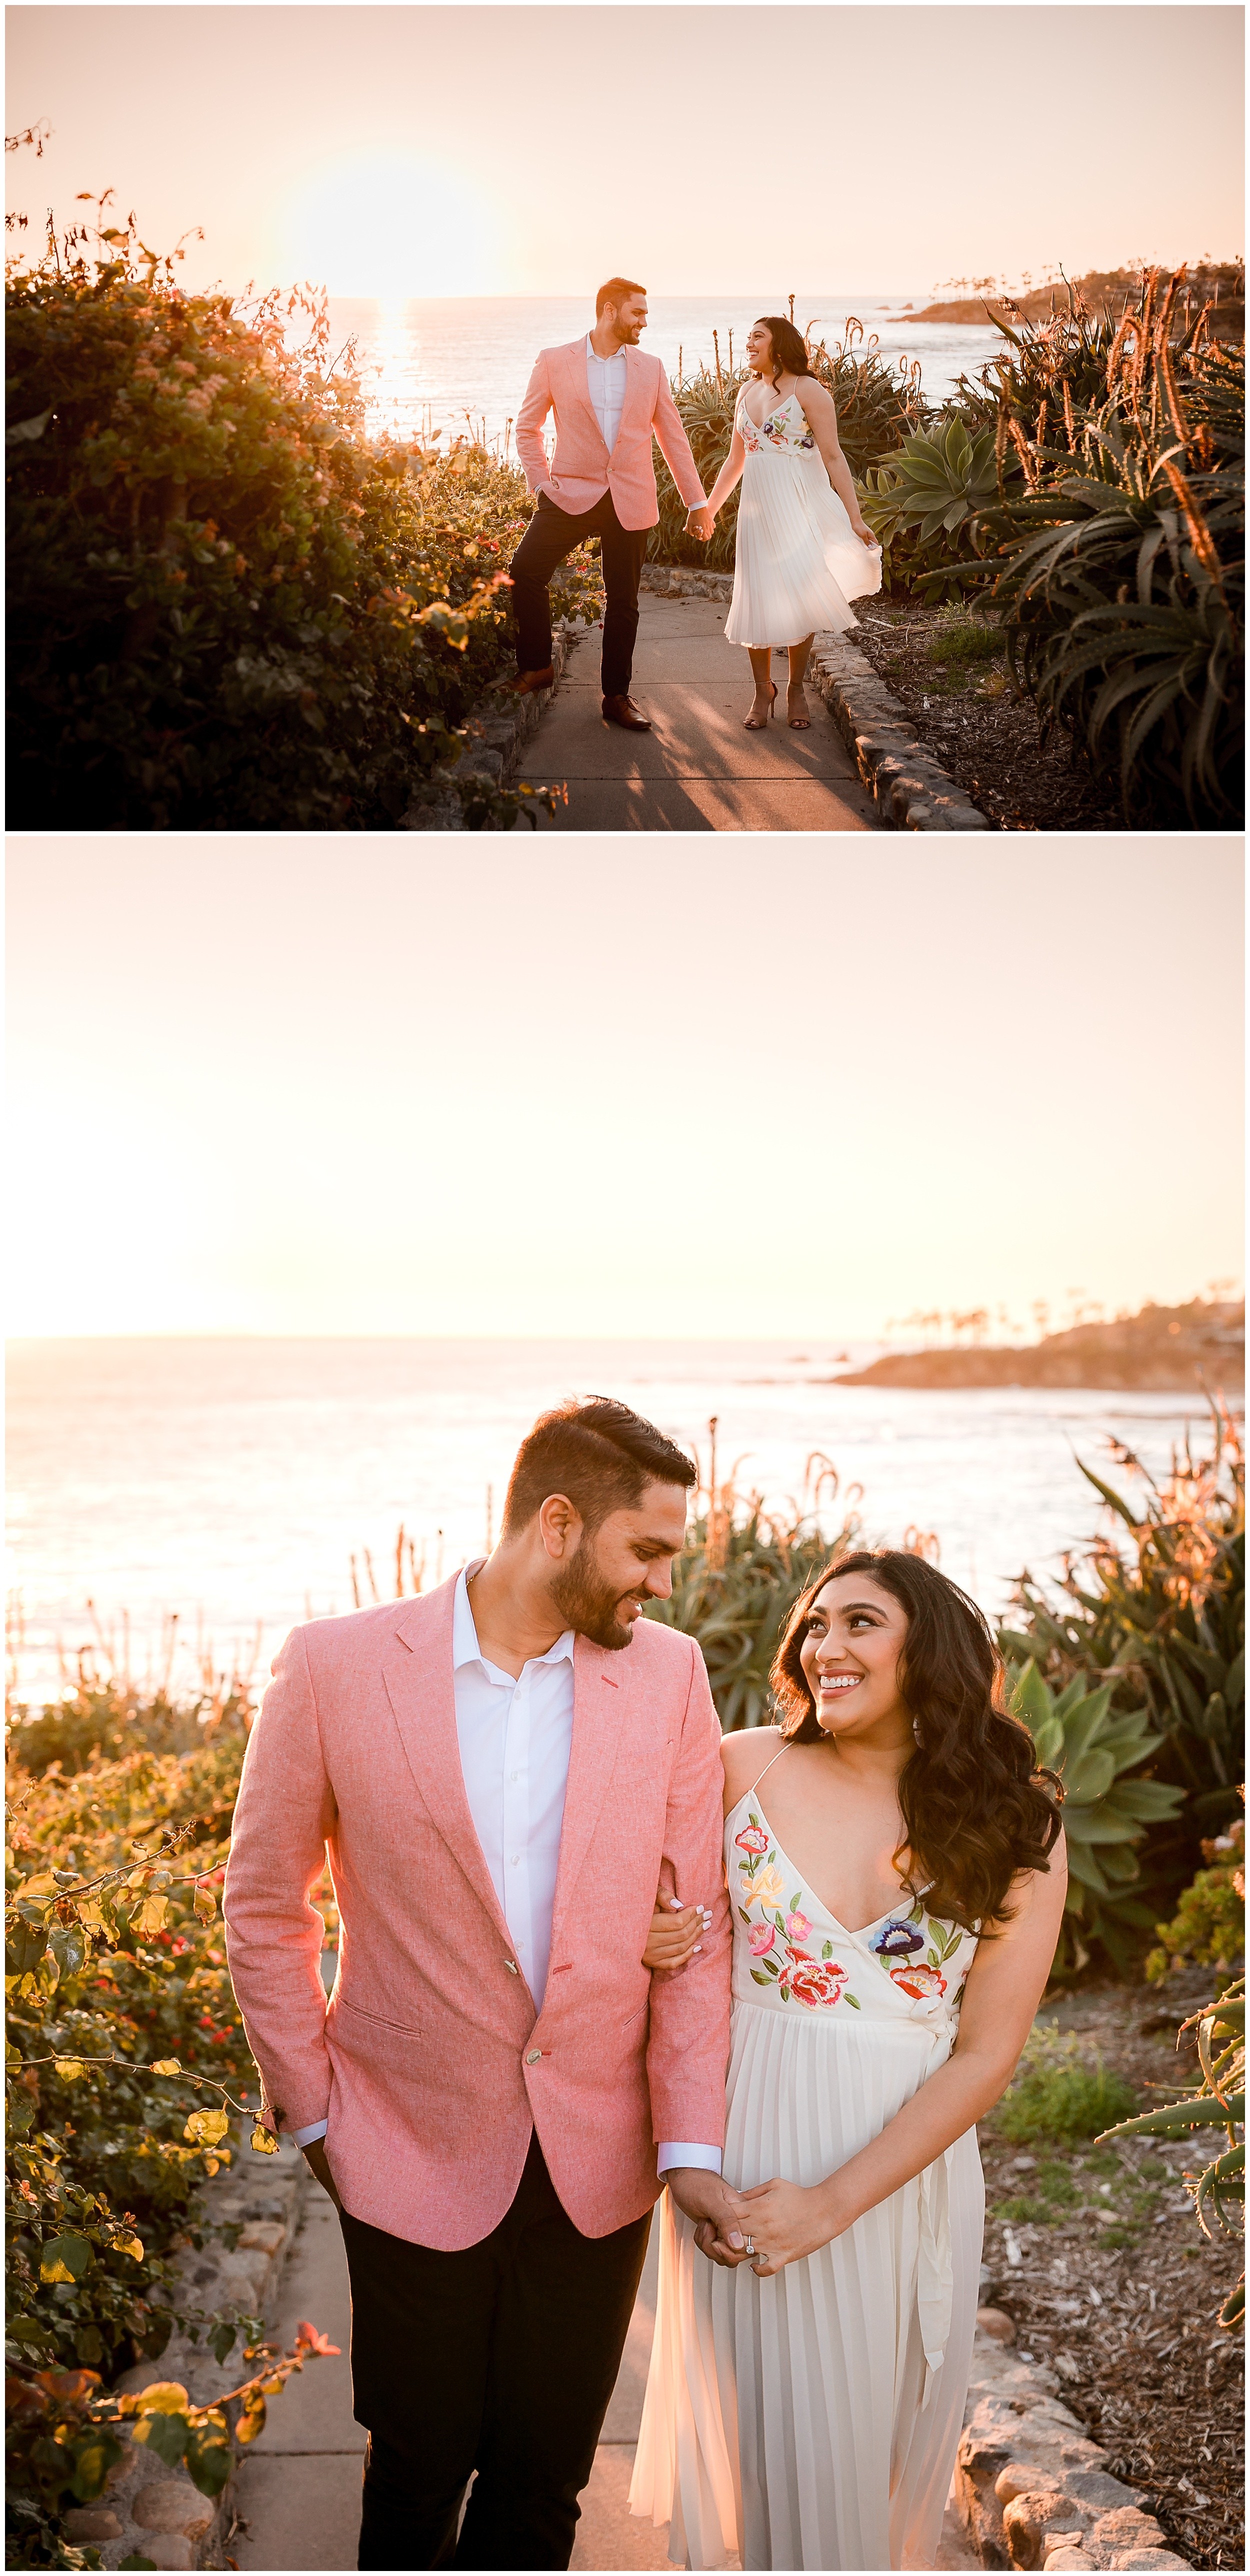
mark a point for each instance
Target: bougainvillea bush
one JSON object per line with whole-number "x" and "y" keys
{"x": 229, "y": 606}
{"x": 114, "y": 1966}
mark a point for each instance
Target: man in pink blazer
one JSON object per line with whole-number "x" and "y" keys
{"x": 504, "y": 1771}
{"x": 610, "y": 400}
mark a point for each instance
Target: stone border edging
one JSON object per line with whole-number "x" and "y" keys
{"x": 151, "y": 2511}
{"x": 499, "y": 728}
{"x": 1031, "y": 2489}
{"x": 910, "y": 788}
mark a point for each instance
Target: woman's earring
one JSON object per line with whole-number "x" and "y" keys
{"x": 915, "y": 1728}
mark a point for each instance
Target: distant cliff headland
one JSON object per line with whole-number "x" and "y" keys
{"x": 1109, "y": 291}
{"x": 1163, "y": 1350}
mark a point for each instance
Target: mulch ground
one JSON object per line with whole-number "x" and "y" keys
{"x": 1117, "y": 2289}
{"x": 991, "y": 744}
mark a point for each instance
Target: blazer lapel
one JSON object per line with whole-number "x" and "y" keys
{"x": 598, "y": 1708}
{"x": 579, "y": 377}
{"x": 417, "y": 1671}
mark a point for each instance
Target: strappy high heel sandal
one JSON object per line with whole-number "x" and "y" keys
{"x": 799, "y": 724}
{"x": 749, "y": 724}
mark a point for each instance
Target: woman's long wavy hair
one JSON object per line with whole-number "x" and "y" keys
{"x": 976, "y": 1808}
{"x": 790, "y": 356}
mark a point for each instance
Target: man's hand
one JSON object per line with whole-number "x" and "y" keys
{"x": 318, "y": 2163}
{"x": 716, "y": 2209}
{"x": 700, "y": 522}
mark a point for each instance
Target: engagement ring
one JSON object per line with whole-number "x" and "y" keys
{"x": 749, "y": 2244}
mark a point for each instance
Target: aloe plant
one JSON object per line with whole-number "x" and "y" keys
{"x": 1094, "y": 1749}
{"x": 1219, "y": 2102}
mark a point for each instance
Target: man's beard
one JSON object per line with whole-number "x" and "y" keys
{"x": 588, "y": 1604}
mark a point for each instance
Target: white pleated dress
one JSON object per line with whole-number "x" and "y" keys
{"x": 798, "y": 563}
{"x": 811, "y": 2420}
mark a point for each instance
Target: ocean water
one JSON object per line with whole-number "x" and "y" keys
{"x": 453, "y": 365}
{"x": 230, "y": 1482}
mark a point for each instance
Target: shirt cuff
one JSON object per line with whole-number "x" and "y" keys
{"x": 674, "y": 2152}
{"x": 308, "y": 2137}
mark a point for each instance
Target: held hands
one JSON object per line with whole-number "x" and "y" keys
{"x": 784, "y": 2222}
{"x": 718, "y": 2212}
{"x": 676, "y": 1933}
{"x": 700, "y": 522}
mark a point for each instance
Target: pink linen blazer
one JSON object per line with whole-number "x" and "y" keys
{"x": 430, "y": 2062}
{"x": 581, "y": 470}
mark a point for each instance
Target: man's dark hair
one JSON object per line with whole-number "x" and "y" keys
{"x": 615, "y": 292}
{"x": 599, "y": 1454}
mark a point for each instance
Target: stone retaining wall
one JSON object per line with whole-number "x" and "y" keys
{"x": 151, "y": 2511}
{"x": 1031, "y": 2489}
{"x": 910, "y": 788}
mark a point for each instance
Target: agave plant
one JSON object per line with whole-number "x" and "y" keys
{"x": 1094, "y": 1749}
{"x": 1218, "y": 2103}
{"x": 1159, "y": 1609}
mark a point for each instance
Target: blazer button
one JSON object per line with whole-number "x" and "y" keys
{"x": 533, "y": 2056}
{"x": 512, "y": 1968}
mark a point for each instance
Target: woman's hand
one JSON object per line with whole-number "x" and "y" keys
{"x": 700, "y": 522}
{"x": 785, "y": 2222}
{"x": 675, "y": 1935}
{"x": 864, "y": 532}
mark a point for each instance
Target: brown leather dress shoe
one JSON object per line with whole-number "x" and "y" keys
{"x": 622, "y": 711}
{"x": 522, "y": 684}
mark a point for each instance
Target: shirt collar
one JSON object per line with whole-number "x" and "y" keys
{"x": 592, "y": 352}
{"x": 464, "y": 1640}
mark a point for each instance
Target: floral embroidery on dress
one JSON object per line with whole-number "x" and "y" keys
{"x": 903, "y": 1936}
{"x": 775, "y": 429}
{"x": 776, "y": 1938}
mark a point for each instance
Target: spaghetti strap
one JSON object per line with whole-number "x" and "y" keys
{"x": 776, "y": 1757}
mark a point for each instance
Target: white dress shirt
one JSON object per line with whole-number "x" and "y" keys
{"x": 515, "y": 1737}
{"x": 607, "y": 378}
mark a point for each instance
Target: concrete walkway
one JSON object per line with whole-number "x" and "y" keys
{"x": 299, "y": 2485}
{"x": 698, "y": 770}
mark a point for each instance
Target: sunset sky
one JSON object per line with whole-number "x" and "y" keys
{"x": 577, "y": 1087}
{"x": 489, "y": 151}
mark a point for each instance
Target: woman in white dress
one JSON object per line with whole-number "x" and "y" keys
{"x": 896, "y": 1878}
{"x": 803, "y": 549}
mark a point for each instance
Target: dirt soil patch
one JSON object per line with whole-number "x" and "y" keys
{"x": 990, "y": 743}
{"x": 1097, "y": 2256}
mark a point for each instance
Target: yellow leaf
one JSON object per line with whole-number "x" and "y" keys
{"x": 152, "y": 1914}
{"x": 205, "y": 1904}
{"x": 262, "y": 2143}
{"x": 129, "y": 2245}
{"x": 211, "y": 2166}
{"x": 166, "y": 2066}
{"x": 207, "y": 2128}
{"x": 164, "y": 2397}
{"x": 69, "y": 2069}
{"x": 251, "y": 2421}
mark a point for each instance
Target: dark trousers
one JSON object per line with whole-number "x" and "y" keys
{"x": 550, "y": 536}
{"x": 499, "y": 2359}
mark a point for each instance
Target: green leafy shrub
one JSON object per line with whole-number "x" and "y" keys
{"x": 1105, "y": 1813}
{"x": 933, "y": 491}
{"x": 124, "y": 2057}
{"x": 228, "y": 608}
{"x": 1058, "y": 2094}
{"x": 1219, "y": 2101}
{"x": 1209, "y": 1926}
